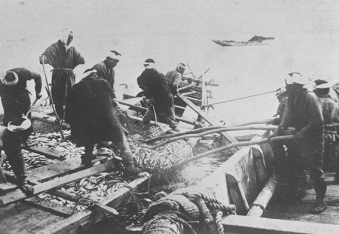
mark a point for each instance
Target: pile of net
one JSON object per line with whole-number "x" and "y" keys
{"x": 156, "y": 161}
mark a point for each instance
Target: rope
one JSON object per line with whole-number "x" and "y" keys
{"x": 205, "y": 209}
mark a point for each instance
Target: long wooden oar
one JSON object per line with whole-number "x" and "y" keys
{"x": 39, "y": 188}
{"x": 211, "y": 132}
{"x": 207, "y": 153}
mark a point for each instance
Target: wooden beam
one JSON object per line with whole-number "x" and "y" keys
{"x": 228, "y": 137}
{"x": 48, "y": 153}
{"x": 39, "y": 188}
{"x": 264, "y": 197}
{"x": 86, "y": 218}
{"x": 246, "y": 224}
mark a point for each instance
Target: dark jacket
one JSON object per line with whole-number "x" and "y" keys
{"x": 15, "y": 99}
{"x": 90, "y": 112}
{"x": 155, "y": 85}
{"x": 330, "y": 109}
{"x": 58, "y": 57}
{"x": 304, "y": 113}
{"x": 106, "y": 73}
{"x": 173, "y": 79}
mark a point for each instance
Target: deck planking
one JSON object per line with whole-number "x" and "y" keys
{"x": 278, "y": 209}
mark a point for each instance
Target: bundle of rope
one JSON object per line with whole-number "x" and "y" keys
{"x": 192, "y": 209}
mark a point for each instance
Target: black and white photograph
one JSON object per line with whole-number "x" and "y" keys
{"x": 169, "y": 116}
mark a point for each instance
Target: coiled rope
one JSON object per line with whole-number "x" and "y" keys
{"x": 186, "y": 207}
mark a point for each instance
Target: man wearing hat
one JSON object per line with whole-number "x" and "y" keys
{"x": 173, "y": 77}
{"x": 105, "y": 69}
{"x": 304, "y": 113}
{"x": 155, "y": 87}
{"x": 331, "y": 123}
{"x": 16, "y": 103}
{"x": 63, "y": 58}
{"x": 90, "y": 112}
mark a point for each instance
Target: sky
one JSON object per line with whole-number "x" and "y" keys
{"x": 305, "y": 32}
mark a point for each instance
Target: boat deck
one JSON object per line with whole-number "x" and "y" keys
{"x": 278, "y": 209}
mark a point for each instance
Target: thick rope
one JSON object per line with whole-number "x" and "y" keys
{"x": 174, "y": 206}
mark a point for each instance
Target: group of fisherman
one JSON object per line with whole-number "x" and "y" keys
{"x": 314, "y": 116}
{"x": 88, "y": 106}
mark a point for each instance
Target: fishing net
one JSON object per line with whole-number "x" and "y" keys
{"x": 137, "y": 127}
{"x": 156, "y": 161}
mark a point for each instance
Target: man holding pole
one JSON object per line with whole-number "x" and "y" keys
{"x": 155, "y": 87}
{"x": 16, "y": 104}
{"x": 304, "y": 112}
{"x": 174, "y": 77}
{"x": 63, "y": 58}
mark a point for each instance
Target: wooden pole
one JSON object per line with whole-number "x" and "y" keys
{"x": 143, "y": 109}
{"x": 218, "y": 130}
{"x": 207, "y": 153}
{"x": 52, "y": 102}
{"x": 39, "y": 188}
{"x": 264, "y": 197}
{"x": 211, "y": 122}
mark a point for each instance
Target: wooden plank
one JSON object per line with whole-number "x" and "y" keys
{"x": 47, "y": 152}
{"x": 7, "y": 187}
{"x": 58, "y": 168}
{"x": 254, "y": 225}
{"x": 86, "y": 218}
{"x": 301, "y": 212}
{"x": 242, "y": 172}
{"x": 60, "y": 210}
{"x": 19, "y": 195}
{"x": 228, "y": 137}
{"x": 265, "y": 195}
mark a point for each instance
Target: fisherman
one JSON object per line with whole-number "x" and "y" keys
{"x": 63, "y": 58}
{"x": 105, "y": 69}
{"x": 90, "y": 112}
{"x": 285, "y": 151}
{"x": 174, "y": 77}
{"x": 16, "y": 103}
{"x": 155, "y": 87}
{"x": 304, "y": 112}
{"x": 331, "y": 117}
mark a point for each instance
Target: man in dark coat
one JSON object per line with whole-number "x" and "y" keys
{"x": 90, "y": 112}
{"x": 155, "y": 87}
{"x": 16, "y": 103}
{"x": 304, "y": 112}
{"x": 105, "y": 69}
{"x": 331, "y": 121}
{"x": 173, "y": 77}
{"x": 63, "y": 58}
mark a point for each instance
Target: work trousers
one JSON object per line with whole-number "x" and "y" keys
{"x": 167, "y": 114}
{"x": 312, "y": 153}
{"x": 12, "y": 146}
{"x": 62, "y": 80}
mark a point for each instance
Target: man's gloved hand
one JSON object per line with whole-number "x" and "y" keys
{"x": 277, "y": 132}
{"x": 43, "y": 59}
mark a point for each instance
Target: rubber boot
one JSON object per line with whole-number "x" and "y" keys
{"x": 320, "y": 206}
{"x": 17, "y": 162}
